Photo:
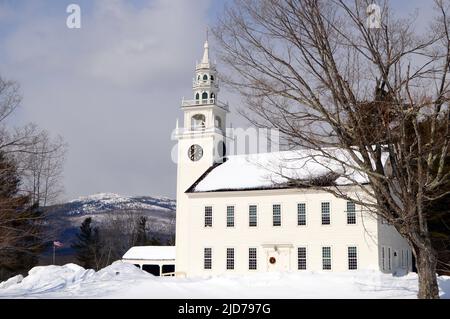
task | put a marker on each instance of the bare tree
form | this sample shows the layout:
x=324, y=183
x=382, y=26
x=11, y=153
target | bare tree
x=39, y=158
x=17, y=139
x=118, y=234
x=42, y=169
x=30, y=174
x=120, y=231
x=314, y=70
x=21, y=224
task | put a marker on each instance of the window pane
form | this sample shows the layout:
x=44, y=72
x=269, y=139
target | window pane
x=352, y=258
x=230, y=258
x=252, y=259
x=326, y=258
x=207, y=260
x=230, y=216
x=301, y=259
x=252, y=216
x=326, y=213
x=326, y=252
x=276, y=215
x=208, y=216
x=351, y=207
x=301, y=214
x=351, y=213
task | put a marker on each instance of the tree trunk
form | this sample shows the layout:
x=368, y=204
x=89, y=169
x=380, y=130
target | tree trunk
x=426, y=270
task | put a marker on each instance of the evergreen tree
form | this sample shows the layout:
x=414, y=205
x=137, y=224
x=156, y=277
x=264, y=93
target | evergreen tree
x=142, y=237
x=141, y=232
x=154, y=241
x=88, y=246
x=21, y=224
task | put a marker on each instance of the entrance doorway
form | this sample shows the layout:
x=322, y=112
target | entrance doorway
x=278, y=257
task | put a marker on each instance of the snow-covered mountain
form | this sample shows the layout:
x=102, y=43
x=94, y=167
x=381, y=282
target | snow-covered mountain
x=66, y=218
x=110, y=202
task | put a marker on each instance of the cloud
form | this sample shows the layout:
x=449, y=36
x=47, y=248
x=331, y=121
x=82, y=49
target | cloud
x=112, y=89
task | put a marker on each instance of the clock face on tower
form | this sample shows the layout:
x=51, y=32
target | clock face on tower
x=195, y=152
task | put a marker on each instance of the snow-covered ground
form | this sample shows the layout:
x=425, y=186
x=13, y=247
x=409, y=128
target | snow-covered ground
x=122, y=280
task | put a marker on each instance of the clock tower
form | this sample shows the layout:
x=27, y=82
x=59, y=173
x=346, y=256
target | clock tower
x=201, y=144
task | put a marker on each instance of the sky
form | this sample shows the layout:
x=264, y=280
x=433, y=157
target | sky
x=113, y=88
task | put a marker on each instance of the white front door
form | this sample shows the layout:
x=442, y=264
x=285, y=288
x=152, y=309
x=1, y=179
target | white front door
x=278, y=259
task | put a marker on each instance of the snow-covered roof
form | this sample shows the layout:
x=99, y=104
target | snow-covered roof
x=275, y=170
x=151, y=253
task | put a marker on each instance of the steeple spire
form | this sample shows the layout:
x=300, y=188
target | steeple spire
x=205, y=59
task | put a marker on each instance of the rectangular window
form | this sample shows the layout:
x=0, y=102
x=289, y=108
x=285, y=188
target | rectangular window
x=301, y=258
x=301, y=214
x=252, y=216
x=407, y=259
x=383, y=259
x=326, y=258
x=207, y=258
x=230, y=216
x=208, y=216
x=403, y=259
x=389, y=258
x=252, y=260
x=230, y=258
x=352, y=258
x=276, y=215
x=326, y=213
x=351, y=213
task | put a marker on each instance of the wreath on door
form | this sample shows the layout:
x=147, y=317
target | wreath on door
x=272, y=260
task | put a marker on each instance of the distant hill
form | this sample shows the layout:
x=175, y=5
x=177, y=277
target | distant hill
x=66, y=218
x=108, y=202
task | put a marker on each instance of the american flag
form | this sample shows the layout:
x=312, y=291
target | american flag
x=58, y=244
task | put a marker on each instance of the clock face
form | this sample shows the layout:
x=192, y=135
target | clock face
x=195, y=152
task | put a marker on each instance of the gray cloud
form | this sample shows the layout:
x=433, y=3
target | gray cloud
x=112, y=89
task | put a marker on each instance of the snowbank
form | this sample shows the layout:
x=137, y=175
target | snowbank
x=122, y=280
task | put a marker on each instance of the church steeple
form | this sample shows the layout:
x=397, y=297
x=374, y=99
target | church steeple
x=205, y=59
x=205, y=85
x=201, y=143
x=205, y=112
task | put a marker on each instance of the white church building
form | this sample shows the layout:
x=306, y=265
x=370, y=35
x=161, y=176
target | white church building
x=235, y=215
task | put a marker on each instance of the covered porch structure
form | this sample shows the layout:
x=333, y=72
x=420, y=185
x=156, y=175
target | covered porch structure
x=157, y=260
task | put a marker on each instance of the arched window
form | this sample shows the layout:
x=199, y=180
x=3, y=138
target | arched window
x=198, y=77
x=218, y=122
x=204, y=95
x=197, y=96
x=205, y=77
x=212, y=77
x=198, y=122
x=213, y=96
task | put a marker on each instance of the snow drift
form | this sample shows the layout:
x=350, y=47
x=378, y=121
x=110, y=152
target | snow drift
x=122, y=280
